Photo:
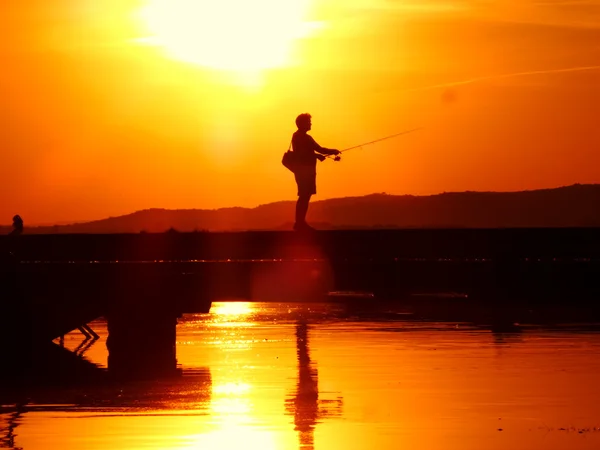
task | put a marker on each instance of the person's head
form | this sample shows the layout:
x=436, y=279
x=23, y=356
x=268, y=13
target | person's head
x=303, y=122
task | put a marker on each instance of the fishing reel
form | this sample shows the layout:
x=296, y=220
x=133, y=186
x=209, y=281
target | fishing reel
x=337, y=158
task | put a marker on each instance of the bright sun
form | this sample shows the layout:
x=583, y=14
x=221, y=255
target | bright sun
x=239, y=35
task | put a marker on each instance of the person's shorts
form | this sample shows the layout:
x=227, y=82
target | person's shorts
x=306, y=179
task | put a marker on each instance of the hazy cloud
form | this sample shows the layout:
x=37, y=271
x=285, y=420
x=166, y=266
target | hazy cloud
x=558, y=13
x=505, y=75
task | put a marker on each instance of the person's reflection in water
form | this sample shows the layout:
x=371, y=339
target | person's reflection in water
x=305, y=405
x=505, y=337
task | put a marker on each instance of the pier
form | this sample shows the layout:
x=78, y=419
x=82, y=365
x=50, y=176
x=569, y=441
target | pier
x=141, y=283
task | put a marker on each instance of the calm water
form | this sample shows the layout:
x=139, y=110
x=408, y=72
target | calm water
x=269, y=377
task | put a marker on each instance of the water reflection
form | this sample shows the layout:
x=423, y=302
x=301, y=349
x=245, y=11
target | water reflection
x=237, y=407
x=305, y=405
x=192, y=392
x=228, y=309
x=8, y=431
x=505, y=337
x=406, y=384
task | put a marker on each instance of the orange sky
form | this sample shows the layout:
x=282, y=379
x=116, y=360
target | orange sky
x=130, y=105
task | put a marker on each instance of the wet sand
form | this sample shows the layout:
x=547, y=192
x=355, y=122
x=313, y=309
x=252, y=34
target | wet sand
x=280, y=376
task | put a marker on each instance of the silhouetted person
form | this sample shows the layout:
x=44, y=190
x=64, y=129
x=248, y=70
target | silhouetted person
x=17, y=225
x=8, y=256
x=306, y=152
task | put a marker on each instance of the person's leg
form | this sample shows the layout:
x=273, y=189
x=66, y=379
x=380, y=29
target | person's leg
x=302, y=208
x=306, y=180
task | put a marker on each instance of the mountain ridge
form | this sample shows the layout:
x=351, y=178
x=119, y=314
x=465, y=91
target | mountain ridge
x=567, y=206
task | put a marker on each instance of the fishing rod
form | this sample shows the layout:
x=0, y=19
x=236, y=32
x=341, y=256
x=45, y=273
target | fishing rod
x=338, y=158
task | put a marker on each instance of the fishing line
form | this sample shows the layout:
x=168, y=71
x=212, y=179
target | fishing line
x=338, y=158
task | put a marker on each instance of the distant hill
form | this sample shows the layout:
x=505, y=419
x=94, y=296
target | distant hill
x=571, y=206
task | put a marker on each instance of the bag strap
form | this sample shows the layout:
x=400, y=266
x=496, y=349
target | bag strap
x=290, y=147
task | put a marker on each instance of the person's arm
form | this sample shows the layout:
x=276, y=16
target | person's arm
x=322, y=150
x=327, y=151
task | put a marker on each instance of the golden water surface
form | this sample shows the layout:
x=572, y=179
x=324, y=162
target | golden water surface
x=280, y=376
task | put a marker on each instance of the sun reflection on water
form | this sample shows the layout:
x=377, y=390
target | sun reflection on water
x=233, y=314
x=234, y=436
x=231, y=388
x=237, y=410
x=232, y=408
x=228, y=309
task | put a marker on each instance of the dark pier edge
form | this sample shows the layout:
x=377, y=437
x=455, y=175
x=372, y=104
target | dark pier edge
x=335, y=245
x=141, y=283
x=141, y=343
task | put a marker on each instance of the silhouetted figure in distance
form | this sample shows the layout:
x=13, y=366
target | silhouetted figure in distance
x=7, y=254
x=17, y=225
x=306, y=152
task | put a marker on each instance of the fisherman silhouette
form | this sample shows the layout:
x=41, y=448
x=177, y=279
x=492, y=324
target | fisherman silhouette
x=306, y=152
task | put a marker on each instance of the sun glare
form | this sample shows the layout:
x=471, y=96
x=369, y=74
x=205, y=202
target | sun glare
x=238, y=35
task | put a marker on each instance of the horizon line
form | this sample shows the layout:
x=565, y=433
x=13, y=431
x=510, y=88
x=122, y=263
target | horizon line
x=64, y=223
